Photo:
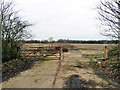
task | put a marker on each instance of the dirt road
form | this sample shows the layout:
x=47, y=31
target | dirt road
x=73, y=72
x=41, y=75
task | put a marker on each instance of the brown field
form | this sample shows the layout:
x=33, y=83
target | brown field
x=91, y=46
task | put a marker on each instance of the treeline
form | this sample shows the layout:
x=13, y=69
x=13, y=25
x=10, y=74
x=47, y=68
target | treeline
x=75, y=41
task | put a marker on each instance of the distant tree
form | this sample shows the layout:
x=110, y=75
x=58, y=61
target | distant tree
x=109, y=16
x=13, y=29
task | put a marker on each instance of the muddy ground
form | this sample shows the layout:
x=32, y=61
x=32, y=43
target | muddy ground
x=71, y=72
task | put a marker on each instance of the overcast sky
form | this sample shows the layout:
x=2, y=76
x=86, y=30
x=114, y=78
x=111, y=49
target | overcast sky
x=61, y=19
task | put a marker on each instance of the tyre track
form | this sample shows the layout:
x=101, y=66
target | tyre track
x=57, y=72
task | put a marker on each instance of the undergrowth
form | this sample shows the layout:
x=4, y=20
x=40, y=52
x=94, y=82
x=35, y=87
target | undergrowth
x=108, y=68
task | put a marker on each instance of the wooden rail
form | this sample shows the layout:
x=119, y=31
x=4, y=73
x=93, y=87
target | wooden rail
x=43, y=52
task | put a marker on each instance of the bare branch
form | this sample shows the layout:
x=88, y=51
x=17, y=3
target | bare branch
x=109, y=16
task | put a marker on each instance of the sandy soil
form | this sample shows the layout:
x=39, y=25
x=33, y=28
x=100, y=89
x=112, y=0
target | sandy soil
x=70, y=72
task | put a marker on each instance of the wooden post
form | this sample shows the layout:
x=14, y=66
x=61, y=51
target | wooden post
x=59, y=55
x=106, y=54
x=63, y=55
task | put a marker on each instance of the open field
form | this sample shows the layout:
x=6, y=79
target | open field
x=92, y=46
x=95, y=46
x=72, y=71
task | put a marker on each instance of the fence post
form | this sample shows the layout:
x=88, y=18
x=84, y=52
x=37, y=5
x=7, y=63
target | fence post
x=106, y=52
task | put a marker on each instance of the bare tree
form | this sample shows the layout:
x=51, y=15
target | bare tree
x=109, y=16
x=13, y=29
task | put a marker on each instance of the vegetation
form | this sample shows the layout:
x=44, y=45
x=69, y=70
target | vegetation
x=14, y=67
x=13, y=29
x=105, y=69
x=75, y=41
x=108, y=68
x=109, y=16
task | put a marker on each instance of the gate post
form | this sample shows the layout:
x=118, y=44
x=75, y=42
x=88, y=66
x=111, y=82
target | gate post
x=106, y=52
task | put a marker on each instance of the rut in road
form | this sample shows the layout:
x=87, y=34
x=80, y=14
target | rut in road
x=58, y=69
